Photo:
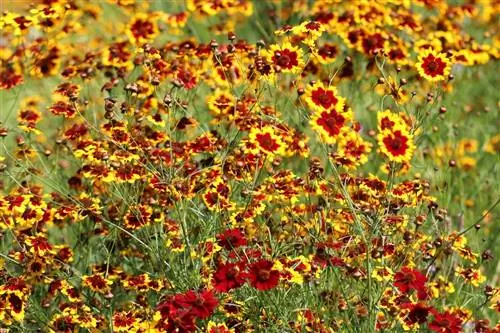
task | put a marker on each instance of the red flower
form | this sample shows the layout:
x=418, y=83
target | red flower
x=200, y=305
x=228, y=276
x=433, y=66
x=409, y=279
x=262, y=276
x=418, y=313
x=231, y=239
x=325, y=98
x=397, y=144
x=446, y=322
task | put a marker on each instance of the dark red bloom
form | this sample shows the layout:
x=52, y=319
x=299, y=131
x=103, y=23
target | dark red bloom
x=228, y=276
x=324, y=97
x=396, y=143
x=409, y=279
x=331, y=122
x=446, y=322
x=285, y=59
x=418, y=313
x=433, y=66
x=262, y=276
x=201, y=305
x=231, y=239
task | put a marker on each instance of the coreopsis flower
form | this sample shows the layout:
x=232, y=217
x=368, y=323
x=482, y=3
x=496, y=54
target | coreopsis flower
x=118, y=55
x=97, y=283
x=312, y=30
x=414, y=315
x=217, y=195
x=446, y=322
x=138, y=217
x=332, y=124
x=352, y=150
x=142, y=28
x=228, y=276
x=266, y=141
x=433, y=66
x=62, y=108
x=471, y=275
x=125, y=321
x=200, y=304
x=326, y=53
x=231, y=239
x=320, y=98
x=39, y=245
x=408, y=279
x=218, y=328
x=262, y=275
x=10, y=77
x=285, y=58
x=388, y=120
x=396, y=144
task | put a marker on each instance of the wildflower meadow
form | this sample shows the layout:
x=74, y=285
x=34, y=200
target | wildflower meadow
x=249, y=166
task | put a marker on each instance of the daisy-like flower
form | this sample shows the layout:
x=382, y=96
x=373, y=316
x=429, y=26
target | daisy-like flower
x=409, y=279
x=266, y=141
x=352, y=150
x=285, y=58
x=142, y=28
x=124, y=321
x=397, y=144
x=320, y=98
x=262, y=275
x=433, y=66
x=311, y=29
x=331, y=124
x=388, y=120
x=97, y=283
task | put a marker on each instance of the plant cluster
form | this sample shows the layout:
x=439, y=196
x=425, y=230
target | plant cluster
x=238, y=166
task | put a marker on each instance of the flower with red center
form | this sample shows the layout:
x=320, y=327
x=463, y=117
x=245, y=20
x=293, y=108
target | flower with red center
x=388, y=120
x=320, y=98
x=97, y=283
x=142, y=28
x=62, y=108
x=446, y=322
x=200, y=304
x=218, y=328
x=231, y=239
x=285, y=58
x=396, y=145
x=39, y=245
x=414, y=314
x=217, y=194
x=409, y=279
x=138, y=217
x=9, y=77
x=228, y=276
x=352, y=150
x=124, y=321
x=331, y=124
x=266, y=141
x=326, y=54
x=433, y=66
x=187, y=78
x=262, y=276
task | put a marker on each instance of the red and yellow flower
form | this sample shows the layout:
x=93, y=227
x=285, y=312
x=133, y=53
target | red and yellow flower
x=266, y=141
x=285, y=58
x=433, y=66
x=396, y=144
